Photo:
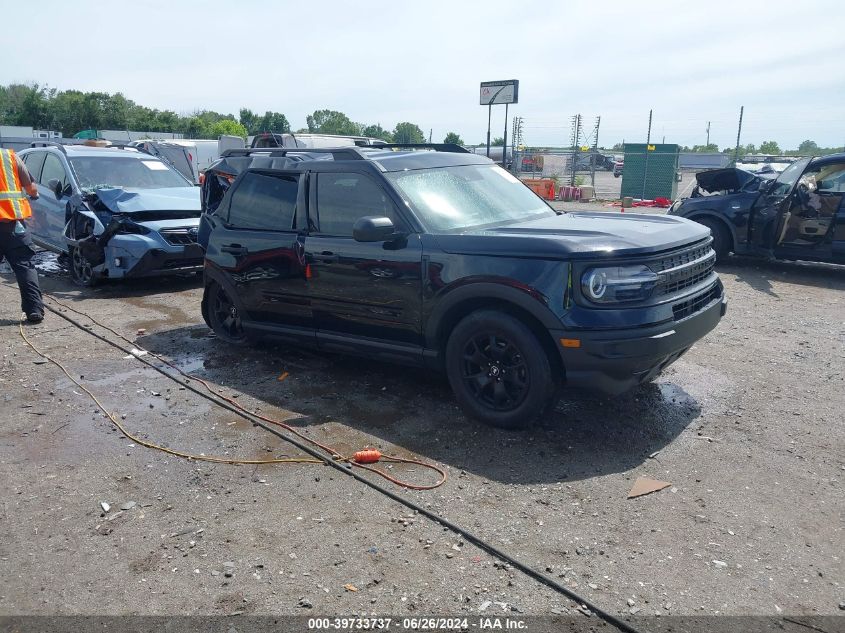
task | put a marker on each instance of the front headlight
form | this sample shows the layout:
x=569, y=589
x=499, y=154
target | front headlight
x=618, y=284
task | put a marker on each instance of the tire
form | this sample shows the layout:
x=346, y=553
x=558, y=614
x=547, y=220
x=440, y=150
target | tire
x=499, y=372
x=722, y=242
x=223, y=315
x=81, y=270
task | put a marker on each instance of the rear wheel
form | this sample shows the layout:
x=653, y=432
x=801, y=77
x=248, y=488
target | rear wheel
x=499, y=371
x=721, y=238
x=80, y=268
x=224, y=316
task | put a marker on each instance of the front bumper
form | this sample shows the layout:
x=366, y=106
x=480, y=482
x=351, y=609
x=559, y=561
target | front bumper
x=614, y=361
x=128, y=256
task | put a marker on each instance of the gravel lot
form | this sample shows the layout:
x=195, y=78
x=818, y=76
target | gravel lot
x=748, y=428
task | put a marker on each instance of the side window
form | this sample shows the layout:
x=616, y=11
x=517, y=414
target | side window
x=264, y=201
x=33, y=162
x=344, y=198
x=831, y=178
x=53, y=168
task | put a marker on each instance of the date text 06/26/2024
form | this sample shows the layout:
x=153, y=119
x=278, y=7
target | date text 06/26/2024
x=416, y=624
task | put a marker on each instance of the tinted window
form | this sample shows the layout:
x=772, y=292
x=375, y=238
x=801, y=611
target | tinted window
x=264, y=201
x=53, y=168
x=33, y=162
x=344, y=198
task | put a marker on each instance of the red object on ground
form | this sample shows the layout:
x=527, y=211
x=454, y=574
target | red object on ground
x=543, y=187
x=663, y=203
x=568, y=192
x=367, y=456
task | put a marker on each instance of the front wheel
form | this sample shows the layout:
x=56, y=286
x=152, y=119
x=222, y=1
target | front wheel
x=721, y=238
x=80, y=268
x=499, y=371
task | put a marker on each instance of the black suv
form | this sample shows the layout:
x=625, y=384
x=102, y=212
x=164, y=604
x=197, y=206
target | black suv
x=440, y=258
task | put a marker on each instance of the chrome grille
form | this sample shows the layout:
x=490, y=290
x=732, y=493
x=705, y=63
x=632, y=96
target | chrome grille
x=180, y=237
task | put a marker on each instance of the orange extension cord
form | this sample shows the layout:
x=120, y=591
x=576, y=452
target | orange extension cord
x=360, y=459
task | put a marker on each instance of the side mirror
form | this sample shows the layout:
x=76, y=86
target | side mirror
x=373, y=229
x=765, y=186
x=56, y=187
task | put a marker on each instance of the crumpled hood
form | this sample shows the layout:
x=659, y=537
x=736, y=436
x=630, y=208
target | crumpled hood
x=579, y=235
x=134, y=200
x=728, y=179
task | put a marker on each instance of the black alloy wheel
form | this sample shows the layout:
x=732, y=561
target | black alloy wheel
x=224, y=315
x=499, y=371
x=495, y=372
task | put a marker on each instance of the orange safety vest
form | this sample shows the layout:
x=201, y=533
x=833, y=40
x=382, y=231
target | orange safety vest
x=14, y=204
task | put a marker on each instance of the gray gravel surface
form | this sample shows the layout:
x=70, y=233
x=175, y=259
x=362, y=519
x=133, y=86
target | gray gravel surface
x=748, y=428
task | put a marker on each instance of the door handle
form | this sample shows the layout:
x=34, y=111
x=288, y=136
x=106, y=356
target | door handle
x=234, y=249
x=326, y=257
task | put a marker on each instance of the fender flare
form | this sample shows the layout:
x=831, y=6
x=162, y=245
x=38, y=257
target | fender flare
x=213, y=274
x=485, y=291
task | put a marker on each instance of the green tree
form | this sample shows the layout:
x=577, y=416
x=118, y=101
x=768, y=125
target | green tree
x=275, y=122
x=331, y=122
x=702, y=148
x=769, y=147
x=248, y=120
x=227, y=126
x=809, y=147
x=376, y=131
x=452, y=137
x=497, y=141
x=270, y=122
x=406, y=132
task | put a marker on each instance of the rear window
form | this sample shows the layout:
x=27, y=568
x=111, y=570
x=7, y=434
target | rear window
x=98, y=172
x=264, y=201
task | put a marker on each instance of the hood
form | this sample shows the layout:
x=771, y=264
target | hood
x=728, y=179
x=579, y=235
x=136, y=200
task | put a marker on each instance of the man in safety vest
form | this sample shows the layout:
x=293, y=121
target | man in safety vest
x=15, y=241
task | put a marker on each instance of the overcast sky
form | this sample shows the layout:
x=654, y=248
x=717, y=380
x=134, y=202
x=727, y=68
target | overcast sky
x=384, y=62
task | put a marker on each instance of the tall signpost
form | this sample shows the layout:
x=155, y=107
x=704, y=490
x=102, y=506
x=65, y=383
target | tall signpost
x=495, y=93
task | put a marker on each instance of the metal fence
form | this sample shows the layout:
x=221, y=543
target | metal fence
x=566, y=166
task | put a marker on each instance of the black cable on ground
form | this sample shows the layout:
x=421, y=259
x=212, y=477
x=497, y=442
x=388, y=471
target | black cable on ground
x=469, y=536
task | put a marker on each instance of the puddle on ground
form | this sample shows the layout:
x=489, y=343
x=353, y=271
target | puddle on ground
x=190, y=365
x=46, y=262
x=673, y=394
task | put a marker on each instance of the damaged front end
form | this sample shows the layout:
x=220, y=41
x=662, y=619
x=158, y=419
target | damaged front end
x=727, y=181
x=116, y=233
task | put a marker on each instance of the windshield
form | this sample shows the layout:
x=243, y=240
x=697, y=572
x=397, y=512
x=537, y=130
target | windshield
x=100, y=172
x=784, y=183
x=469, y=196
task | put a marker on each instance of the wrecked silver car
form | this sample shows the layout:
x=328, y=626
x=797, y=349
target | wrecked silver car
x=114, y=212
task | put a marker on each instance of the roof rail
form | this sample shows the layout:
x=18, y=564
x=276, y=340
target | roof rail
x=338, y=153
x=437, y=147
x=48, y=144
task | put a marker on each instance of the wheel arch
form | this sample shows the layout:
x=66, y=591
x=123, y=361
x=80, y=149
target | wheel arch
x=721, y=220
x=460, y=303
x=212, y=275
